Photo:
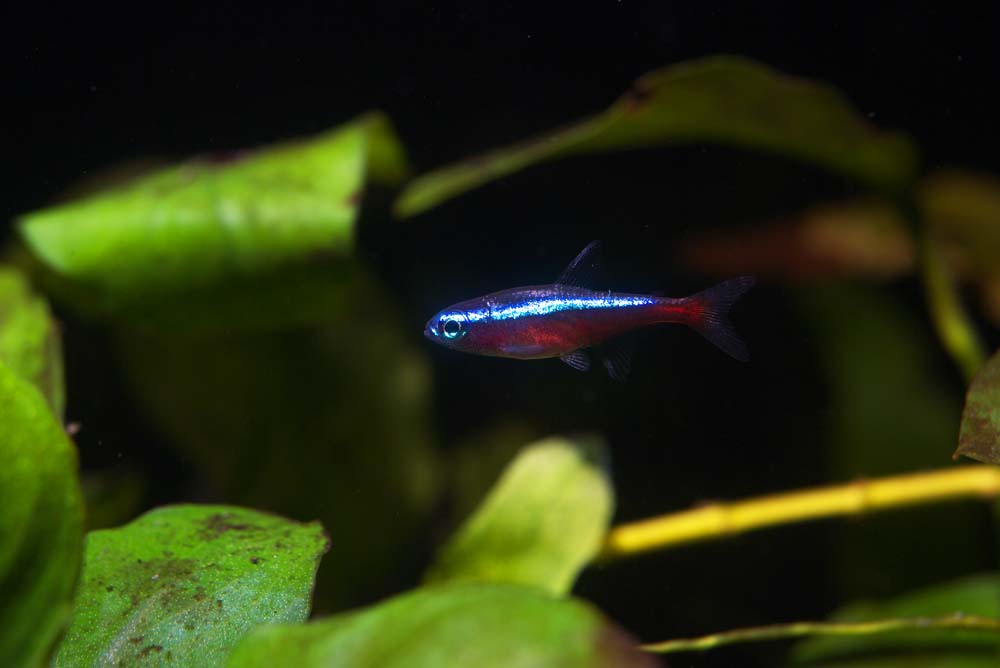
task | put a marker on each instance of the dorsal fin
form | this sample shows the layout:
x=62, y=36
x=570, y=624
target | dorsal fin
x=583, y=271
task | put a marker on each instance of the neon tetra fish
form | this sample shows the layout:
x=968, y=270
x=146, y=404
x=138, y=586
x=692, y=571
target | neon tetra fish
x=566, y=318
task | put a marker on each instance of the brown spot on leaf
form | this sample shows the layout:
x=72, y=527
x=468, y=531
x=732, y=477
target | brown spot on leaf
x=146, y=651
x=354, y=198
x=136, y=640
x=218, y=524
x=637, y=97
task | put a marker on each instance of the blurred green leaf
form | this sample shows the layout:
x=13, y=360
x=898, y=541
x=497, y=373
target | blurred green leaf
x=112, y=496
x=41, y=524
x=952, y=626
x=475, y=463
x=979, y=436
x=543, y=521
x=215, y=223
x=183, y=584
x=913, y=661
x=889, y=409
x=957, y=624
x=964, y=207
x=974, y=596
x=330, y=421
x=506, y=626
x=723, y=99
x=954, y=326
x=29, y=338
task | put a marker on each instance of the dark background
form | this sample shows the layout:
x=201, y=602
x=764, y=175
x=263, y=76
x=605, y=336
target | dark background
x=88, y=87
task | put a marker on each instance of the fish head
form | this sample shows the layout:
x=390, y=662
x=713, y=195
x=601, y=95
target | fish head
x=456, y=327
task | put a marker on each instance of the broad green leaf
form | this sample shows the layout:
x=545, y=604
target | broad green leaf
x=722, y=99
x=29, y=338
x=505, y=626
x=979, y=437
x=215, y=223
x=328, y=421
x=41, y=524
x=976, y=597
x=181, y=585
x=541, y=523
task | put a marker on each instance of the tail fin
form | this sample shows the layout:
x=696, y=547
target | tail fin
x=712, y=320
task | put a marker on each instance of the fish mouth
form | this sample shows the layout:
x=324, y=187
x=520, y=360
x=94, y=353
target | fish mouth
x=430, y=331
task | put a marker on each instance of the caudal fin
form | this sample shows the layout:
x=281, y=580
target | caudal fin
x=711, y=315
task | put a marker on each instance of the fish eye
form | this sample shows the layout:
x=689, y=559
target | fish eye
x=451, y=328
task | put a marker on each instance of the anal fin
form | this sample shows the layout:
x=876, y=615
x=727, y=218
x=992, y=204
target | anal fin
x=618, y=359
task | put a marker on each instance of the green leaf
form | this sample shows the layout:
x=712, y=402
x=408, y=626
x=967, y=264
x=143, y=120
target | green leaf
x=979, y=436
x=506, y=626
x=540, y=525
x=889, y=410
x=953, y=324
x=964, y=207
x=477, y=460
x=968, y=598
x=954, y=625
x=41, y=524
x=722, y=99
x=328, y=421
x=914, y=661
x=215, y=223
x=182, y=585
x=29, y=338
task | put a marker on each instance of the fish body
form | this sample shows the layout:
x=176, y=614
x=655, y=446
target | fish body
x=564, y=319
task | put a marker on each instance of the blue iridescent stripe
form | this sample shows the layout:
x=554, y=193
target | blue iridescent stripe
x=549, y=305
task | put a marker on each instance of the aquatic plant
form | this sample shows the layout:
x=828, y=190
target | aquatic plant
x=233, y=289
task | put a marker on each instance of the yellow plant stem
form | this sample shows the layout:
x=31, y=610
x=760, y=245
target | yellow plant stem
x=799, y=629
x=716, y=520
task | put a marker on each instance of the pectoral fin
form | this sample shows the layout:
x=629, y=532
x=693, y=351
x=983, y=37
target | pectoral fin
x=578, y=359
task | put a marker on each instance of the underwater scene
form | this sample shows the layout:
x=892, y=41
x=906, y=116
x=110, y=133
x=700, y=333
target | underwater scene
x=612, y=335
